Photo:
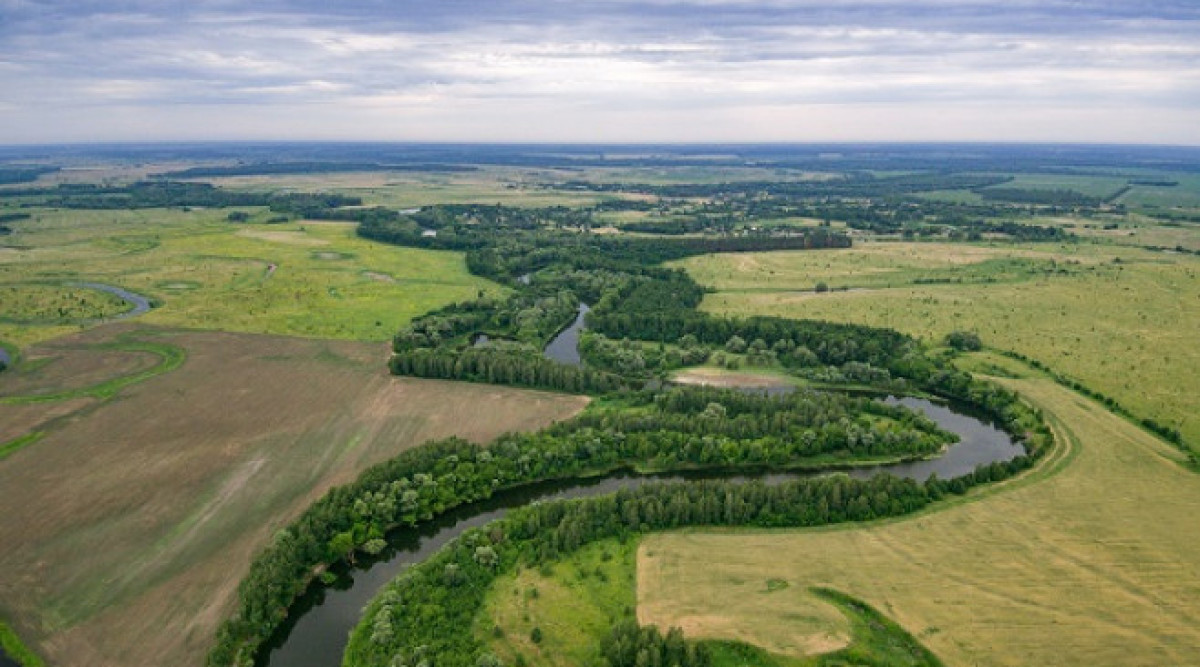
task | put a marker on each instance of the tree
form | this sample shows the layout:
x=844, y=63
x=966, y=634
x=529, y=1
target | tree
x=966, y=341
x=736, y=344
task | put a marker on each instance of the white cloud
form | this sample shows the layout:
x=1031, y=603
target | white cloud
x=722, y=69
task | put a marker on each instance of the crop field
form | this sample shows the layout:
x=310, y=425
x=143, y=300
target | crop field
x=1090, y=560
x=1186, y=192
x=1121, y=320
x=313, y=279
x=492, y=185
x=129, y=523
x=1091, y=185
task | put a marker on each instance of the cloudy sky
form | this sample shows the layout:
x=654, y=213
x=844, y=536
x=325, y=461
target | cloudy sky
x=601, y=70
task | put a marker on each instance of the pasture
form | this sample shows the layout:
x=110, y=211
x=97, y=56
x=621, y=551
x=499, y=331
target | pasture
x=1121, y=320
x=150, y=507
x=1088, y=560
x=314, y=279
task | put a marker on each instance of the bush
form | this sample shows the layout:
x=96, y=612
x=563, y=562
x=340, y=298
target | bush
x=965, y=341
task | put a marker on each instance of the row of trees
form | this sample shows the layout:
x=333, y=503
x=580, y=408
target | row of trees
x=755, y=431
x=421, y=615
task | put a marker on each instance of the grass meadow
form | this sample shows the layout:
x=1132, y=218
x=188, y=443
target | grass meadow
x=1121, y=320
x=1089, y=560
x=313, y=279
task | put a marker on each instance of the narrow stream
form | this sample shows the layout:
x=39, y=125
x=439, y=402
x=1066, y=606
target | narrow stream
x=140, y=303
x=321, y=621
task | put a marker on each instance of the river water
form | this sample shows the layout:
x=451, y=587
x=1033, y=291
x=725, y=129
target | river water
x=140, y=303
x=565, y=347
x=320, y=623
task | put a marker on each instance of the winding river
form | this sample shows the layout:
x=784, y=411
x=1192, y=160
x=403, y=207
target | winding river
x=321, y=621
x=140, y=303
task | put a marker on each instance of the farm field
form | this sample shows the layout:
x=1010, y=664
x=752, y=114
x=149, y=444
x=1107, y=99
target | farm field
x=1089, y=560
x=314, y=279
x=1121, y=320
x=493, y=185
x=151, y=505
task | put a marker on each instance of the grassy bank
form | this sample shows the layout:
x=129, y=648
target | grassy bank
x=1122, y=321
x=1090, y=565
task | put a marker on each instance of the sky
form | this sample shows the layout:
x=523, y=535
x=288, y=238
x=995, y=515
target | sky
x=600, y=70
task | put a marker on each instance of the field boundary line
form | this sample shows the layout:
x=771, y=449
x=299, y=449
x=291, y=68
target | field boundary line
x=171, y=357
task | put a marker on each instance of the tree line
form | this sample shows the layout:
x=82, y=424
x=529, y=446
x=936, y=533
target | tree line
x=421, y=615
x=424, y=482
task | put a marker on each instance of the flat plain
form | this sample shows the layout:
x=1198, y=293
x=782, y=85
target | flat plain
x=1090, y=560
x=151, y=504
x=313, y=279
x=1121, y=320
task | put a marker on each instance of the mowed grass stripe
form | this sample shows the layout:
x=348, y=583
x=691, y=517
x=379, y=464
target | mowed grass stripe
x=1094, y=565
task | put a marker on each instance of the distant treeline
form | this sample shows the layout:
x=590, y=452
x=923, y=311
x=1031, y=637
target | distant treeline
x=1055, y=197
x=11, y=217
x=23, y=174
x=274, y=168
x=166, y=194
x=854, y=184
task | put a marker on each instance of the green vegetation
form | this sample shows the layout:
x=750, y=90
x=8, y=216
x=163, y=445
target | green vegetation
x=16, y=444
x=1078, y=563
x=42, y=304
x=311, y=278
x=1118, y=320
x=654, y=431
x=274, y=250
x=170, y=357
x=575, y=601
x=16, y=650
x=582, y=600
x=248, y=431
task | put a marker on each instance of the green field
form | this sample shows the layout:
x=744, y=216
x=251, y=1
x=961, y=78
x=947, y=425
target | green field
x=37, y=304
x=314, y=279
x=559, y=615
x=1121, y=320
x=1093, y=186
x=573, y=603
x=1090, y=560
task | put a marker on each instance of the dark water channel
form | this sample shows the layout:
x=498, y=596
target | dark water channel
x=140, y=303
x=565, y=347
x=320, y=623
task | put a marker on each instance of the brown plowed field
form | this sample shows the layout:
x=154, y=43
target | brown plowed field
x=129, y=525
